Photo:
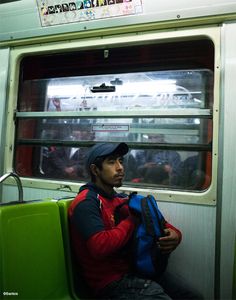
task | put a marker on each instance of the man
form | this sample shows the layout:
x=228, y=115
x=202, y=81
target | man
x=99, y=244
x=69, y=162
x=169, y=159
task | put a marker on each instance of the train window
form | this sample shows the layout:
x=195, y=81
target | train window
x=157, y=98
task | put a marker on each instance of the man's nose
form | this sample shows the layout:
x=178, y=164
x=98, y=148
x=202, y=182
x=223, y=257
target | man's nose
x=119, y=165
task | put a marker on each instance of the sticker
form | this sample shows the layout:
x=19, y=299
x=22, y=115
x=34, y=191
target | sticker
x=110, y=127
x=56, y=12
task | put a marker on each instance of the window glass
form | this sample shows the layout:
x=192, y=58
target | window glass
x=133, y=130
x=156, y=98
x=131, y=91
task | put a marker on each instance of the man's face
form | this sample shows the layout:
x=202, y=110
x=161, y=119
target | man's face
x=112, y=172
x=79, y=134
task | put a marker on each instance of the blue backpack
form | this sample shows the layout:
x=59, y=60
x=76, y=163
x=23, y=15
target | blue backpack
x=145, y=254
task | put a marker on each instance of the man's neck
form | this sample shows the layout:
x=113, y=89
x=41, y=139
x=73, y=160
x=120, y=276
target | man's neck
x=109, y=190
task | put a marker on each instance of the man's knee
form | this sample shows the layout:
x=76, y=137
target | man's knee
x=153, y=291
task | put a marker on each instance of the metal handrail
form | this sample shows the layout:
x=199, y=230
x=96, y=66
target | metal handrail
x=18, y=182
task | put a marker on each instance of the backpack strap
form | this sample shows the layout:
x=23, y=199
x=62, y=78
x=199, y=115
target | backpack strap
x=148, y=218
x=161, y=221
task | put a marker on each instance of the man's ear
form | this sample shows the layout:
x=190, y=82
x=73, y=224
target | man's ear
x=94, y=169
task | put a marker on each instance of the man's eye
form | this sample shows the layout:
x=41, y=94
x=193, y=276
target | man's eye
x=115, y=160
x=111, y=161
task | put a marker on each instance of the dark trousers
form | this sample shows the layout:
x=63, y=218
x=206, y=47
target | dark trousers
x=177, y=289
x=133, y=287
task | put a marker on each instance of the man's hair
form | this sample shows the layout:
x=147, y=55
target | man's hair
x=98, y=163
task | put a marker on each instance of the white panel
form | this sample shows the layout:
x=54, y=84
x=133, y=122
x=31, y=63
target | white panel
x=194, y=259
x=10, y=193
x=228, y=228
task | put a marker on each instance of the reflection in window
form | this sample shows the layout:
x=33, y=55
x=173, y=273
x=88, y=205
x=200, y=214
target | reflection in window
x=131, y=91
x=178, y=169
x=130, y=130
x=144, y=168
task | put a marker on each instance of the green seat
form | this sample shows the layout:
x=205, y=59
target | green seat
x=234, y=276
x=78, y=290
x=32, y=262
x=63, y=205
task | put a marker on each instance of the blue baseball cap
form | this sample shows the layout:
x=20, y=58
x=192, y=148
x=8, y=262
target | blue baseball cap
x=105, y=149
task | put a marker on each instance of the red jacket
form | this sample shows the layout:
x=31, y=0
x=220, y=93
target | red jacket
x=97, y=242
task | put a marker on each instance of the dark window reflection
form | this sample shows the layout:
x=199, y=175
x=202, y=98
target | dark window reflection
x=157, y=168
x=167, y=168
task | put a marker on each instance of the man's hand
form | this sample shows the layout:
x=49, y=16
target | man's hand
x=57, y=104
x=169, y=242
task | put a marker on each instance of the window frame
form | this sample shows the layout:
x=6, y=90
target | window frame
x=213, y=33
